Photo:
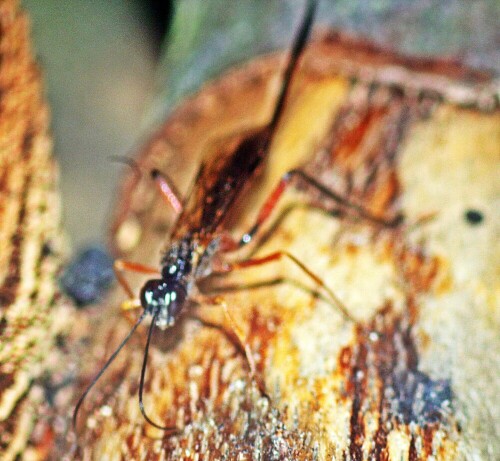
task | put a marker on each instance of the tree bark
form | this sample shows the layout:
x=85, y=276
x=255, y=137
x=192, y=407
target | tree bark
x=414, y=376
x=31, y=249
x=392, y=134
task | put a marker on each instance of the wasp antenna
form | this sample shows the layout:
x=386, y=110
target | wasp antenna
x=103, y=369
x=127, y=161
x=141, y=383
x=298, y=46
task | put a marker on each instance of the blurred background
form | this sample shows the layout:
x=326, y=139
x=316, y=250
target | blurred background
x=115, y=68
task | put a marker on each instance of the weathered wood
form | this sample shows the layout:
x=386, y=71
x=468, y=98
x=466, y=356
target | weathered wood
x=31, y=245
x=415, y=377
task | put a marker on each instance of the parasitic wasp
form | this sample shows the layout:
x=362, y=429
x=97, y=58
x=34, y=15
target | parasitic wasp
x=199, y=240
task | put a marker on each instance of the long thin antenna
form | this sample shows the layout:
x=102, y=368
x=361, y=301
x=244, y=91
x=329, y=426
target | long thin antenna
x=103, y=369
x=141, y=383
x=298, y=46
x=127, y=161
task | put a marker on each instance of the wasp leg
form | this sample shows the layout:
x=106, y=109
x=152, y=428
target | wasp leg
x=277, y=255
x=293, y=178
x=237, y=337
x=120, y=266
x=167, y=190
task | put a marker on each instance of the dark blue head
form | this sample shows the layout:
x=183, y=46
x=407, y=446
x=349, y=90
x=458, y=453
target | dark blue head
x=163, y=298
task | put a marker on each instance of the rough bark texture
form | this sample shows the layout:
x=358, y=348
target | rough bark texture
x=31, y=316
x=414, y=377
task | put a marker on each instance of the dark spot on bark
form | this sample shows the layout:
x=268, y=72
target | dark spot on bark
x=47, y=250
x=474, y=217
x=88, y=276
x=6, y=380
x=419, y=398
x=398, y=391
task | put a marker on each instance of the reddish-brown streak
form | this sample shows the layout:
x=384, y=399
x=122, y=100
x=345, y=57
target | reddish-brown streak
x=8, y=290
x=259, y=331
x=342, y=45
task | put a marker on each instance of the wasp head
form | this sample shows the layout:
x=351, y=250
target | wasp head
x=163, y=299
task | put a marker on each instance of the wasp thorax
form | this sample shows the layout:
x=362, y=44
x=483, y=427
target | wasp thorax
x=163, y=299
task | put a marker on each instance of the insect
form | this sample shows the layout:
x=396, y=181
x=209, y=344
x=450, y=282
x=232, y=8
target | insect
x=199, y=240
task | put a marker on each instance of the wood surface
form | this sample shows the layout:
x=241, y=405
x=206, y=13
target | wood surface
x=414, y=377
x=32, y=314
x=406, y=380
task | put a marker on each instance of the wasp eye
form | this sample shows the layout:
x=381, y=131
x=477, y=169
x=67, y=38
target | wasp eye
x=150, y=295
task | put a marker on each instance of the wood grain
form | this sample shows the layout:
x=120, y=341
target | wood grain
x=403, y=382
x=415, y=377
x=31, y=246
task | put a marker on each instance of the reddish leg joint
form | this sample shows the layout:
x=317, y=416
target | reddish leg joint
x=286, y=180
x=121, y=266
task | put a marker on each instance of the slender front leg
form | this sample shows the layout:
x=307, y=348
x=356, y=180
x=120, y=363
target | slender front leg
x=238, y=334
x=277, y=255
x=120, y=266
